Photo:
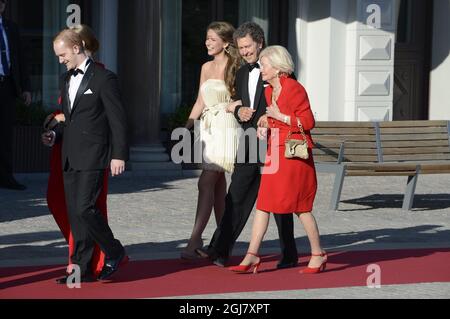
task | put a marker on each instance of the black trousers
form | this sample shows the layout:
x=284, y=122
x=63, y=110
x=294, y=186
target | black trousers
x=82, y=189
x=7, y=121
x=239, y=203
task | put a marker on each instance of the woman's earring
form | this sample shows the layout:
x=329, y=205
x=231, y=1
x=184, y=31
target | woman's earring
x=227, y=50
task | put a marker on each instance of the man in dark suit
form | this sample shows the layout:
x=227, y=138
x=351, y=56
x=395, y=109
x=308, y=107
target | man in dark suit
x=14, y=82
x=94, y=137
x=245, y=180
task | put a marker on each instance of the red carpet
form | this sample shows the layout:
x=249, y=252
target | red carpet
x=169, y=278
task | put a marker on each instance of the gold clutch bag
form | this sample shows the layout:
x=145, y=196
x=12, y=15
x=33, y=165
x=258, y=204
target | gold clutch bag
x=297, y=148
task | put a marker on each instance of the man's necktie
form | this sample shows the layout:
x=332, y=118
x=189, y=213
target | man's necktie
x=3, y=56
x=252, y=66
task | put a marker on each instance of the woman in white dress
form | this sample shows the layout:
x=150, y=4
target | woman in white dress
x=218, y=128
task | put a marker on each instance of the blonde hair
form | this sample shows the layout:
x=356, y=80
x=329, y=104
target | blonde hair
x=70, y=38
x=279, y=58
x=87, y=35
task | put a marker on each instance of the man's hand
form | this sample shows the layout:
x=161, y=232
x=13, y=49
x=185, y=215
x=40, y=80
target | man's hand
x=263, y=121
x=245, y=114
x=48, y=138
x=60, y=118
x=117, y=167
x=26, y=98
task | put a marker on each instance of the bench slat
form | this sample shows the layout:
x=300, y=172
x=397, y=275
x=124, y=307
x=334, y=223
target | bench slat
x=369, y=173
x=413, y=124
x=386, y=167
x=438, y=166
x=348, y=151
x=398, y=144
x=414, y=130
x=418, y=157
x=344, y=131
x=343, y=124
x=350, y=138
x=347, y=158
x=415, y=150
x=413, y=137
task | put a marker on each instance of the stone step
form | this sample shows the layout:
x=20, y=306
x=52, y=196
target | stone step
x=149, y=157
x=156, y=166
x=157, y=148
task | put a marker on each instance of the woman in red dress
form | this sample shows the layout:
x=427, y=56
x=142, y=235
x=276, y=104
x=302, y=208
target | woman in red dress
x=288, y=186
x=55, y=192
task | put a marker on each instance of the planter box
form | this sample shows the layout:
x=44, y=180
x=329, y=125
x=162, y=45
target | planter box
x=29, y=154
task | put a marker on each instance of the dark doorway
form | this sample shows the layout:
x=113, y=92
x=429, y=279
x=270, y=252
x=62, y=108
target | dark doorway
x=197, y=15
x=412, y=61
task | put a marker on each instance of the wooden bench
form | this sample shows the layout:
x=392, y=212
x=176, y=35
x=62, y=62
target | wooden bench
x=382, y=149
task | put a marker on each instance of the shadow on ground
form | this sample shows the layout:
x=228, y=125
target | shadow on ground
x=421, y=202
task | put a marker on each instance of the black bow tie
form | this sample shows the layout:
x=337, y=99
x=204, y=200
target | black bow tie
x=76, y=72
x=252, y=66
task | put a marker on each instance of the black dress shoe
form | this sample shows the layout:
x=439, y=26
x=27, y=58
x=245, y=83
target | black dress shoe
x=220, y=261
x=13, y=185
x=212, y=255
x=206, y=253
x=63, y=280
x=285, y=265
x=111, y=266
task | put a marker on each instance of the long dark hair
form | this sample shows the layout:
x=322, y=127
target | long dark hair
x=225, y=31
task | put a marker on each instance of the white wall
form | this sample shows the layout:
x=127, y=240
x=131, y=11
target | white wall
x=346, y=66
x=440, y=74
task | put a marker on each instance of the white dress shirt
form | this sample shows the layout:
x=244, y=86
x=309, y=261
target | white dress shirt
x=75, y=82
x=7, y=48
x=253, y=79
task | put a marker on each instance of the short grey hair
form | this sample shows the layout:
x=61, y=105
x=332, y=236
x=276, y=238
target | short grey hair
x=279, y=58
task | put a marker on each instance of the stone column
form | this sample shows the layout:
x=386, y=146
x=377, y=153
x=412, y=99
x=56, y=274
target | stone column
x=139, y=69
x=107, y=33
x=139, y=60
x=171, y=56
x=55, y=17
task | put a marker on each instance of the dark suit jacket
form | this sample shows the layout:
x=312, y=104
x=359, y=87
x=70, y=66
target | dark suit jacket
x=260, y=105
x=95, y=130
x=19, y=63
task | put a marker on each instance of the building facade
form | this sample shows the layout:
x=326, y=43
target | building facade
x=360, y=60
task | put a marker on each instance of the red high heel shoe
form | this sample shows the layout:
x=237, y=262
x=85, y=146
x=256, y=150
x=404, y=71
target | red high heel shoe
x=246, y=268
x=321, y=268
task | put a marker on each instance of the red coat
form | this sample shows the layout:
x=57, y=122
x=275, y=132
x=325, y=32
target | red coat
x=288, y=185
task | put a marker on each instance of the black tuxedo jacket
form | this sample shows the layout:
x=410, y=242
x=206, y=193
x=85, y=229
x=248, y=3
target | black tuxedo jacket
x=95, y=130
x=242, y=77
x=19, y=65
x=260, y=105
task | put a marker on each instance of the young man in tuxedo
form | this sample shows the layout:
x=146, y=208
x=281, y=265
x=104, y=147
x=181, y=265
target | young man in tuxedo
x=14, y=82
x=245, y=180
x=94, y=137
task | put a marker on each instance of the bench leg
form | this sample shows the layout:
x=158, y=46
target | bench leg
x=409, y=193
x=337, y=188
